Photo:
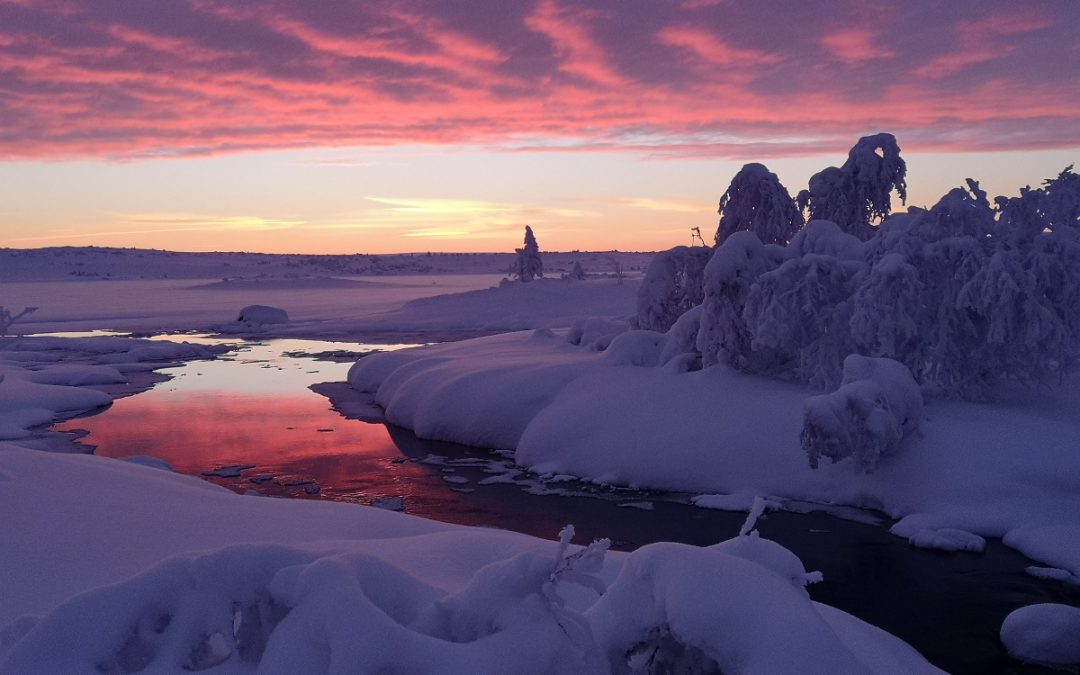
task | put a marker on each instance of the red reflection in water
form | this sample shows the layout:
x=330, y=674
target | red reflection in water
x=291, y=438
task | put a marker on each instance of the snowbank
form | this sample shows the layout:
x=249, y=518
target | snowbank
x=36, y=388
x=1047, y=634
x=263, y=314
x=1007, y=468
x=175, y=573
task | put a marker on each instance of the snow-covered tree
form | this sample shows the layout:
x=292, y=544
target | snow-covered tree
x=798, y=317
x=577, y=273
x=723, y=336
x=758, y=202
x=859, y=192
x=877, y=405
x=529, y=265
x=672, y=284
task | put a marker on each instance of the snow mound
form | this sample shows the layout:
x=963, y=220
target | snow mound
x=948, y=539
x=280, y=609
x=1047, y=634
x=263, y=314
x=877, y=405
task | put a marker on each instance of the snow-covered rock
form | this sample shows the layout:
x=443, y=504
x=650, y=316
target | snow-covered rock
x=1047, y=634
x=263, y=314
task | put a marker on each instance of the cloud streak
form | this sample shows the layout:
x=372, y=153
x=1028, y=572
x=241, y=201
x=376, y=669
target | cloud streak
x=128, y=80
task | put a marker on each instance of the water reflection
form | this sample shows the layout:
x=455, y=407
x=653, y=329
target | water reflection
x=253, y=408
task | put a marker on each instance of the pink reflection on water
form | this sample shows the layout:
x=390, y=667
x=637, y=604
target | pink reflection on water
x=292, y=438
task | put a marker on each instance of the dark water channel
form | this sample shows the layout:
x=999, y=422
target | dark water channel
x=249, y=420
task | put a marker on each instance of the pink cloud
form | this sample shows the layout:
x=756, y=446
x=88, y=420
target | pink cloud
x=855, y=45
x=716, y=80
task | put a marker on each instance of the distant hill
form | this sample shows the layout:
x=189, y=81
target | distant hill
x=85, y=263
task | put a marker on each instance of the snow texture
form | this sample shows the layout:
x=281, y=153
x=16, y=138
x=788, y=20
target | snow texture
x=1047, y=634
x=948, y=539
x=227, y=583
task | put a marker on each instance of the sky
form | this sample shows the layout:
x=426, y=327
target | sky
x=347, y=126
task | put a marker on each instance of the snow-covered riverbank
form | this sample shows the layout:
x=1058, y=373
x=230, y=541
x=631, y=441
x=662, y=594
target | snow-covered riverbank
x=1005, y=469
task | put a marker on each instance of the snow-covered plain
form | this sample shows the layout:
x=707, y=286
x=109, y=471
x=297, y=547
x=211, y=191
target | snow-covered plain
x=154, y=291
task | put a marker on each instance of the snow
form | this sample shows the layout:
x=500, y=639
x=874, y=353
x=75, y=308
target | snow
x=948, y=539
x=877, y=405
x=210, y=579
x=153, y=291
x=1006, y=468
x=45, y=378
x=263, y=314
x=1046, y=634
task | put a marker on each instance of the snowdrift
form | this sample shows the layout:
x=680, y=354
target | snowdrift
x=324, y=587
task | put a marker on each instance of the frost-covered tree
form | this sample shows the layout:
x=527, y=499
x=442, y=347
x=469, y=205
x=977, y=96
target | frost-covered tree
x=672, y=285
x=859, y=192
x=577, y=273
x=529, y=266
x=798, y=316
x=962, y=294
x=757, y=201
x=723, y=336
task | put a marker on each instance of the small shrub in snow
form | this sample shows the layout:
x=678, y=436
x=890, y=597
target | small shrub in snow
x=576, y=273
x=672, y=284
x=757, y=201
x=876, y=406
x=858, y=192
x=7, y=318
x=528, y=265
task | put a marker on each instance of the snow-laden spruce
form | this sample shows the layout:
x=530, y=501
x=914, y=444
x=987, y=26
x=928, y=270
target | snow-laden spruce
x=528, y=265
x=859, y=192
x=757, y=201
x=673, y=284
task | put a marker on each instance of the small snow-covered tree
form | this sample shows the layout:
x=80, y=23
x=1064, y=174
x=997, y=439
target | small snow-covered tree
x=577, y=273
x=672, y=284
x=859, y=192
x=877, y=405
x=529, y=266
x=757, y=201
